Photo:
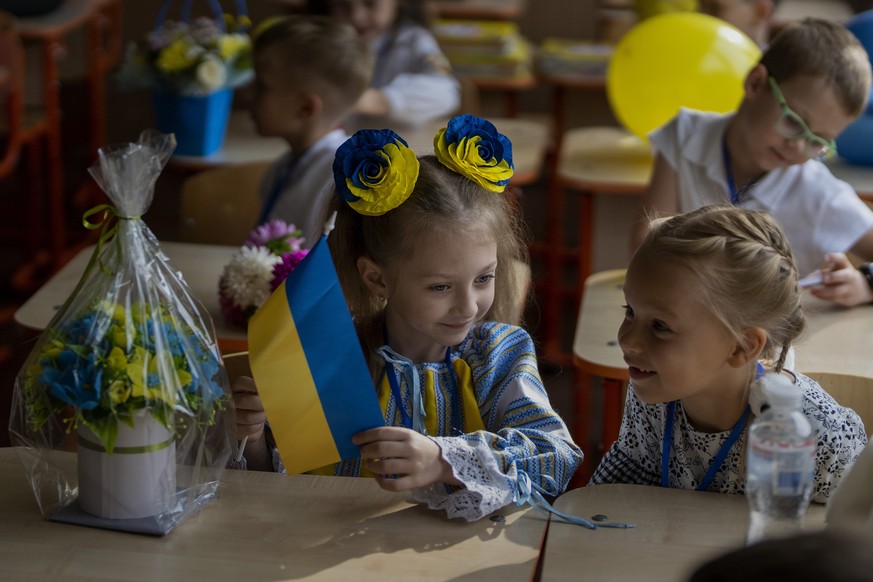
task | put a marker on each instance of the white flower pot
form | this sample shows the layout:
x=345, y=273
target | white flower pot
x=137, y=480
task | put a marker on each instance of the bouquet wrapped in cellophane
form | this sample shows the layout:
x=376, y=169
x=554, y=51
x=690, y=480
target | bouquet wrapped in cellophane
x=122, y=413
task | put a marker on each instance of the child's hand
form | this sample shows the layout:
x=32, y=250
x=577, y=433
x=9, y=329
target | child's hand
x=842, y=283
x=403, y=459
x=250, y=415
x=250, y=422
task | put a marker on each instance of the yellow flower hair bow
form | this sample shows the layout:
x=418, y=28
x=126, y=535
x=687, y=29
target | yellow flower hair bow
x=472, y=147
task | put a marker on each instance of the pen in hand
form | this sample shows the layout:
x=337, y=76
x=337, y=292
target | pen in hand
x=242, y=448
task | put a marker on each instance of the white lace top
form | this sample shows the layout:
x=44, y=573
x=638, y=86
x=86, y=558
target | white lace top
x=636, y=456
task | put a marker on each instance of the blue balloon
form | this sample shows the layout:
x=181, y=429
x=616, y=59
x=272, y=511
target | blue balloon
x=855, y=143
x=861, y=25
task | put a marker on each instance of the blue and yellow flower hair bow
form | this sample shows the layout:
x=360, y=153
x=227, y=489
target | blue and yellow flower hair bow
x=472, y=147
x=375, y=171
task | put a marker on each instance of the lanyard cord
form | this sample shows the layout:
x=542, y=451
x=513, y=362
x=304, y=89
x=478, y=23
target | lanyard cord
x=408, y=369
x=282, y=180
x=729, y=172
x=718, y=461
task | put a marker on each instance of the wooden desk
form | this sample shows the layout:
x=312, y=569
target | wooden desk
x=265, y=526
x=675, y=531
x=479, y=9
x=470, y=9
x=836, y=340
x=560, y=84
x=200, y=264
x=510, y=87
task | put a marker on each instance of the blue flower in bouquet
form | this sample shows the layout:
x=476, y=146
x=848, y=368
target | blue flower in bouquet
x=375, y=171
x=193, y=58
x=472, y=147
x=270, y=253
x=112, y=361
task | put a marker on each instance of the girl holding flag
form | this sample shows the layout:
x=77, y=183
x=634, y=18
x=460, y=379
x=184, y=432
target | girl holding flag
x=424, y=249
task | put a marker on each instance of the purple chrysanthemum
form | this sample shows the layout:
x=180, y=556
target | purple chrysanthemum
x=277, y=236
x=288, y=264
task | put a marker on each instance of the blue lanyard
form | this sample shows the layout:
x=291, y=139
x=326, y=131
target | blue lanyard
x=457, y=411
x=718, y=461
x=278, y=185
x=732, y=187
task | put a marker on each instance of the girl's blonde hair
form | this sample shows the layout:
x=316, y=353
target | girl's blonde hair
x=745, y=268
x=442, y=200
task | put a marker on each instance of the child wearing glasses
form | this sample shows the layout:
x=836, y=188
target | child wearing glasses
x=811, y=82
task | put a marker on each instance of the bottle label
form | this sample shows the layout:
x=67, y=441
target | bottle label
x=791, y=467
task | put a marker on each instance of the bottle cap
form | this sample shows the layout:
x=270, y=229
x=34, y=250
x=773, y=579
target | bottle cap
x=779, y=392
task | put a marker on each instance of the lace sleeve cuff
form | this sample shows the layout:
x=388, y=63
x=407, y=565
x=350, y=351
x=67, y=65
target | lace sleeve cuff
x=485, y=489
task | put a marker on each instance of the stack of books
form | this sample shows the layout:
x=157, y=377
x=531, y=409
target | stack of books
x=573, y=58
x=484, y=48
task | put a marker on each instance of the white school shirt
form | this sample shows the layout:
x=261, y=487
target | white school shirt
x=306, y=191
x=415, y=77
x=818, y=213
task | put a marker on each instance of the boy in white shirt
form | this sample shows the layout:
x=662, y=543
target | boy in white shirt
x=812, y=81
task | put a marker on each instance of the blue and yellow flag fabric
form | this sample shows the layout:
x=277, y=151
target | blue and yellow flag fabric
x=309, y=367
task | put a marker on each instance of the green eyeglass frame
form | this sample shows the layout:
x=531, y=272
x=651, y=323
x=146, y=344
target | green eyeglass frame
x=816, y=146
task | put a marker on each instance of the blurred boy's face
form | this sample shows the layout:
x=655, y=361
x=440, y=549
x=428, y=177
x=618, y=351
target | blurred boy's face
x=740, y=13
x=369, y=17
x=810, y=97
x=747, y=15
x=274, y=100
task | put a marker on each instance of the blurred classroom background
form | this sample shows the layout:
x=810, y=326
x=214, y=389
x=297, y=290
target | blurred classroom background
x=540, y=62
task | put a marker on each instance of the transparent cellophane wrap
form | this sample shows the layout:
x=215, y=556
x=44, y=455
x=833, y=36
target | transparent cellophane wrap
x=121, y=413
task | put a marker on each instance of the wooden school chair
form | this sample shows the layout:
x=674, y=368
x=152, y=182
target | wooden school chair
x=591, y=160
x=596, y=354
x=49, y=36
x=221, y=205
x=855, y=392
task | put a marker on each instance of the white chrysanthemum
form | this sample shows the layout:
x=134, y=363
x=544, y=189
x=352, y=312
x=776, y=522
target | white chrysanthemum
x=248, y=275
x=211, y=73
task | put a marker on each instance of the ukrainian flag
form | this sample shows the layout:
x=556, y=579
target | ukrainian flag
x=309, y=367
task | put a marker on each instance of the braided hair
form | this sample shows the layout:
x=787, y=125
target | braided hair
x=745, y=267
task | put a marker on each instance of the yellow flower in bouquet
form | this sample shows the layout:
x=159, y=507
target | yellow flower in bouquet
x=110, y=362
x=193, y=58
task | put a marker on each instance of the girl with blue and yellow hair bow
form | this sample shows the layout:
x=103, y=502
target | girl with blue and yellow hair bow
x=428, y=252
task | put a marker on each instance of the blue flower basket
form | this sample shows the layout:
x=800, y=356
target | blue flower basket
x=198, y=121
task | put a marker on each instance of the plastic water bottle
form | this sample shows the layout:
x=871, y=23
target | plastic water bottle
x=780, y=463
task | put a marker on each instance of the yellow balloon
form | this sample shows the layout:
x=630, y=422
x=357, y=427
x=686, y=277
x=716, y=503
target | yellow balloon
x=677, y=60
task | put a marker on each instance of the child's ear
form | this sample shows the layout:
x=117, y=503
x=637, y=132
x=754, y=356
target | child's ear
x=749, y=349
x=311, y=106
x=756, y=81
x=373, y=277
